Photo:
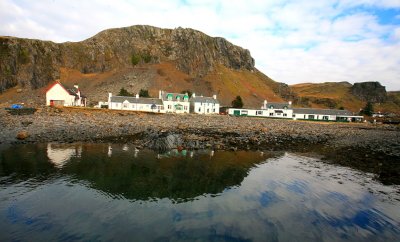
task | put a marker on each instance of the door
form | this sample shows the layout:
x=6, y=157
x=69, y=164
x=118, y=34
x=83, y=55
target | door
x=236, y=112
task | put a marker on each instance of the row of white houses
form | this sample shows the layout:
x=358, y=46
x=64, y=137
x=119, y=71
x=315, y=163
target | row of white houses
x=166, y=102
x=285, y=111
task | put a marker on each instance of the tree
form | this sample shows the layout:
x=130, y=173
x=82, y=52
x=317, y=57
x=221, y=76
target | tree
x=124, y=92
x=237, y=102
x=135, y=59
x=188, y=92
x=368, y=109
x=144, y=93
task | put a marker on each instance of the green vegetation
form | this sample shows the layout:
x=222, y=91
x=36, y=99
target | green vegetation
x=237, y=102
x=124, y=92
x=146, y=57
x=188, y=92
x=135, y=59
x=23, y=56
x=144, y=93
x=368, y=109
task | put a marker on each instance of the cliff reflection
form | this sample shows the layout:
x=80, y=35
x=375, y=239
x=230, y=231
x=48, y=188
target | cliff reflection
x=178, y=175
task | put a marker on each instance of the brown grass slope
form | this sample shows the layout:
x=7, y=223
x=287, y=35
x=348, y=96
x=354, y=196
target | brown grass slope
x=338, y=94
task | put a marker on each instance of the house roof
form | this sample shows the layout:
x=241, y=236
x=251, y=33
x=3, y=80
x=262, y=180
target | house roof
x=203, y=100
x=278, y=105
x=141, y=100
x=174, y=95
x=322, y=111
x=71, y=91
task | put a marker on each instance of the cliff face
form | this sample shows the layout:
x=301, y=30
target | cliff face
x=34, y=63
x=369, y=92
x=26, y=62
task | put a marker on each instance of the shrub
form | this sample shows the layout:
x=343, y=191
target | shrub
x=237, y=102
x=135, y=59
x=144, y=93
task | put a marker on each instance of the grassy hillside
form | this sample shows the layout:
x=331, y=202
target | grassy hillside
x=338, y=94
x=252, y=86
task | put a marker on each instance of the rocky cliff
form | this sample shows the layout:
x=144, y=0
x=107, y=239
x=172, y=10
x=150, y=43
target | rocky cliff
x=369, y=92
x=34, y=63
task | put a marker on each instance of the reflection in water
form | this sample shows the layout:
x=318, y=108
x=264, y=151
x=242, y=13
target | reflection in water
x=60, y=154
x=197, y=195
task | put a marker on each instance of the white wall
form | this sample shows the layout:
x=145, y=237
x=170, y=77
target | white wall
x=57, y=92
x=205, y=108
x=135, y=107
x=263, y=113
x=316, y=117
x=169, y=106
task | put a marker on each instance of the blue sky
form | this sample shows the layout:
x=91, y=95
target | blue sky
x=292, y=41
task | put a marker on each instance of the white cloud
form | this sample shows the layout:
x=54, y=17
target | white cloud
x=291, y=41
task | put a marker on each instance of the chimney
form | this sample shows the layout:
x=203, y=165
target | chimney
x=264, y=105
x=215, y=96
x=137, y=95
x=109, y=99
x=160, y=94
x=194, y=95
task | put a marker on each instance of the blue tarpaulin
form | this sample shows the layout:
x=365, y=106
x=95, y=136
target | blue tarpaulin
x=16, y=106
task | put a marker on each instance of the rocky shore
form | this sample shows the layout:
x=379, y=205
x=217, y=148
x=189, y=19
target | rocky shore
x=369, y=147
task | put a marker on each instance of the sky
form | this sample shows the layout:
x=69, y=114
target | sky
x=292, y=41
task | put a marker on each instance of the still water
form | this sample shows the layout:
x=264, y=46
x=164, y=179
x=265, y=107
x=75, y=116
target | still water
x=93, y=192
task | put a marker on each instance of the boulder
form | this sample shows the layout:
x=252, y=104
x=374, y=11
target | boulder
x=22, y=135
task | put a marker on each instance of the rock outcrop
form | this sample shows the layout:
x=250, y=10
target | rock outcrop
x=34, y=63
x=369, y=91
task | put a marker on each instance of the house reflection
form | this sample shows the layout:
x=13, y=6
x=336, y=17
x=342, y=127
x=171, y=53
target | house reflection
x=177, y=174
x=60, y=154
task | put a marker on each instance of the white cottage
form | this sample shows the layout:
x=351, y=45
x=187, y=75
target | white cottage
x=267, y=110
x=136, y=103
x=59, y=95
x=325, y=115
x=204, y=105
x=175, y=102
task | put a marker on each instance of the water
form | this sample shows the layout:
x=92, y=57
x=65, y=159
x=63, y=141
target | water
x=114, y=192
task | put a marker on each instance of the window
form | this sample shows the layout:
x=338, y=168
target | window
x=169, y=106
x=199, y=109
x=133, y=106
x=311, y=117
x=169, y=97
x=214, y=110
x=125, y=105
x=271, y=114
x=325, y=117
x=258, y=112
x=285, y=115
x=294, y=115
x=271, y=106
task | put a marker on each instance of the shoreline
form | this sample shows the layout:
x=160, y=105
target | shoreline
x=368, y=147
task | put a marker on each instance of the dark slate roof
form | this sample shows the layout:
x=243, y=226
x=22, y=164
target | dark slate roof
x=142, y=100
x=174, y=95
x=278, y=105
x=74, y=92
x=203, y=100
x=322, y=111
